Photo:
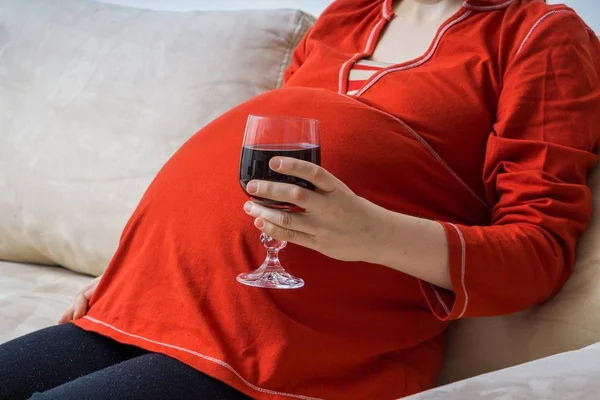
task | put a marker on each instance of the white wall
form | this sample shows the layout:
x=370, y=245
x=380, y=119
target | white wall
x=314, y=7
x=588, y=9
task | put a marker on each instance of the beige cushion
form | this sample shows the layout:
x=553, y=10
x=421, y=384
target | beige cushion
x=94, y=98
x=34, y=297
x=569, y=321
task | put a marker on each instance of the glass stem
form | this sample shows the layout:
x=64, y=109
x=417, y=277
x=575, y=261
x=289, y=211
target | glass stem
x=273, y=247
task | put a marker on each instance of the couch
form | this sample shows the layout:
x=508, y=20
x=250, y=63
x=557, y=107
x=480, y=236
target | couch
x=94, y=98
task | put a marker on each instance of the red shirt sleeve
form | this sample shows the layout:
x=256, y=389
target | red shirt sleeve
x=298, y=57
x=538, y=156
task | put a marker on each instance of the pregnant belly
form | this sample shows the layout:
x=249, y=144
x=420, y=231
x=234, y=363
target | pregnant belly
x=374, y=154
x=175, y=269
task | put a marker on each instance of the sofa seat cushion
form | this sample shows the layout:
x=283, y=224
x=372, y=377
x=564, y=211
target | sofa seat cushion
x=33, y=297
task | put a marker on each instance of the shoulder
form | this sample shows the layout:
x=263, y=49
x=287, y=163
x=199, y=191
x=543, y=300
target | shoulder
x=348, y=18
x=533, y=23
x=352, y=12
x=354, y=7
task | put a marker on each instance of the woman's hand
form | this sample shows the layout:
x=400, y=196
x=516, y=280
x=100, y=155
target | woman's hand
x=336, y=222
x=344, y=226
x=80, y=304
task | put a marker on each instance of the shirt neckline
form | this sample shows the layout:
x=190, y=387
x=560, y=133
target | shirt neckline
x=376, y=31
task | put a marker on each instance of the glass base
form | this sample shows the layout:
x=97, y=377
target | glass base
x=270, y=279
x=271, y=275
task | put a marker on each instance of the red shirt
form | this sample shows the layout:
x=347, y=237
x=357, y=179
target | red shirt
x=496, y=96
x=492, y=133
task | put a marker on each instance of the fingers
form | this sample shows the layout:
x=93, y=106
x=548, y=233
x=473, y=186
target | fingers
x=284, y=192
x=288, y=235
x=89, y=292
x=90, y=288
x=283, y=219
x=67, y=316
x=90, y=284
x=308, y=171
x=80, y=306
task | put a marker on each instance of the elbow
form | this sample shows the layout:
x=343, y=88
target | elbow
x=557, y=258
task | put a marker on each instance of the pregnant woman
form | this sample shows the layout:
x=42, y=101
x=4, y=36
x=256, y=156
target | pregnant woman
x=456, y=142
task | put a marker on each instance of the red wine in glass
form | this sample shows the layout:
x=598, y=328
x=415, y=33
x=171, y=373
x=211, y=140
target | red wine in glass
x=265, y=138
x=254, y=164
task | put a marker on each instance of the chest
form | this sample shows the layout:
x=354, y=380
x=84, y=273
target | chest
x=401, y=41
x=447, y=94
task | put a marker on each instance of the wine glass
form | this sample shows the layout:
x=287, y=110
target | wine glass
x=267, y=137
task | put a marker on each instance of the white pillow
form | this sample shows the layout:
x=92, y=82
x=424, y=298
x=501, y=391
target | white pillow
x=94, y=98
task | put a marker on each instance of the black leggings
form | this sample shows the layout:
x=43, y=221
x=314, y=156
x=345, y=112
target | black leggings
x=66, y=362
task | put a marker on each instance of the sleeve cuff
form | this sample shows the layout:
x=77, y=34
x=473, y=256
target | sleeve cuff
x=450, y=305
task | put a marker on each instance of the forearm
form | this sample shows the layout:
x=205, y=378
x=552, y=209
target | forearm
x=415, y=246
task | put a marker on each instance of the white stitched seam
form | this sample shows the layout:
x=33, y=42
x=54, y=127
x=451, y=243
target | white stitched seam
x=372, y=36
x=341, y=74
x=430, y=149
x=442, y=302
x=384, y=10
x=356, y=55
x=487, y=8
x=418, y=63
x=463, y=260
x=212, y=359
x=537, y=23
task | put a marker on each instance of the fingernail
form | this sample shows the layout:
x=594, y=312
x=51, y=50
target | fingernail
x=251, y=187
x=275, y=163
x=248, y=207
x=259, y=223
